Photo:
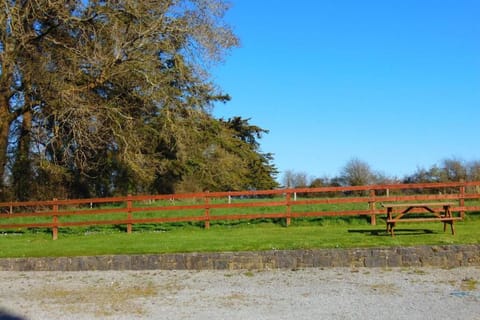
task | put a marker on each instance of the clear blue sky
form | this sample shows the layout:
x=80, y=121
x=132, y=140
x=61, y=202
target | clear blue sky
x=395, y=83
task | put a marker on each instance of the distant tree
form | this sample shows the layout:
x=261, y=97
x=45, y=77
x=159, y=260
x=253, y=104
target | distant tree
x=336, y=182
x=449, y=170
x=473, y=171
x=288, y=179
x=292, y=179
x=453, y=170
x=318, y=183
x=381, y=178
x=357, y=173
x=422, y=175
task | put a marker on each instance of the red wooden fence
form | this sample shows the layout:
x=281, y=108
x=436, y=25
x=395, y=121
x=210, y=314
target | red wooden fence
x=214, y=206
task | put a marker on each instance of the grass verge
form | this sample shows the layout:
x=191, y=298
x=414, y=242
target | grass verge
x=266, y=235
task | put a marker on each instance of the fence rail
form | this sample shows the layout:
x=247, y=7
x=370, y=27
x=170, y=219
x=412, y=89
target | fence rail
x=238, y=205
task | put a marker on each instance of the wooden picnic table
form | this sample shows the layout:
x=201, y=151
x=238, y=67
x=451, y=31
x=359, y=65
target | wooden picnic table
x=397, y=212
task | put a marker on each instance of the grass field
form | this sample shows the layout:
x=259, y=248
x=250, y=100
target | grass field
x=312, y=233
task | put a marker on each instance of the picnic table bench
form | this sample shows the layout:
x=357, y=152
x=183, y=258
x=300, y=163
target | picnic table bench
x=397, y=212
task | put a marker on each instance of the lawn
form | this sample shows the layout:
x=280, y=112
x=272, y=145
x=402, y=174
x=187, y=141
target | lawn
x=345, y=232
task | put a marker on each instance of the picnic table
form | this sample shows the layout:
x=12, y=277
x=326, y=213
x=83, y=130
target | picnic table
x=415, y=212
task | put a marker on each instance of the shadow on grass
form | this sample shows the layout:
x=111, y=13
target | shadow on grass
x=398, y=232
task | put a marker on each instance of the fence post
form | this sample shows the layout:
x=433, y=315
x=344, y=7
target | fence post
x=207, y=211
x=129, y=213
x=289, y=209
x=462, y=200
x=55, y=220
x=371, y=205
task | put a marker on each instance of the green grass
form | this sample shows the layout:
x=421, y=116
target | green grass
x=235, y=235
x=337, y=232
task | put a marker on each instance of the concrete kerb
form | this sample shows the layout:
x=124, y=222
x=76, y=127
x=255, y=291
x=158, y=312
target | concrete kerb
x=448, y=256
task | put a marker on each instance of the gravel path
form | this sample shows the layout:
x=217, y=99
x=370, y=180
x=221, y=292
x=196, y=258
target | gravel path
x=420, y=293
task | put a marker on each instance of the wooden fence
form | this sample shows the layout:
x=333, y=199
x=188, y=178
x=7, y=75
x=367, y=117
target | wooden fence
x=206, y=207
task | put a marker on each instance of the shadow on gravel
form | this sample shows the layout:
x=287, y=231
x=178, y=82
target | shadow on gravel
x=398, y=231
x=4, y=315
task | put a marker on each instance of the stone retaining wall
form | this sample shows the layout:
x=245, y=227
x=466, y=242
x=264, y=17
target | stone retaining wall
x=439, y=256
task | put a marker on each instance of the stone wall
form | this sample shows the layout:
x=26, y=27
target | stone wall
x=450, y=256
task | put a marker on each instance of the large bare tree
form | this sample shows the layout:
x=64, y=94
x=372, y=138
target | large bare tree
x=104, y=89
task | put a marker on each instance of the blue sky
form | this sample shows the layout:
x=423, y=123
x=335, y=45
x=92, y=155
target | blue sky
x=395, y=83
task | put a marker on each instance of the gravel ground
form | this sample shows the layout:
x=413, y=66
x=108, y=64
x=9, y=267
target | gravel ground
x=420, y=293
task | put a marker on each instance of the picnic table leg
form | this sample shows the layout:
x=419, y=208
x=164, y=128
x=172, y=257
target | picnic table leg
x=390, y=225
x=452, y=228
x=448, y=214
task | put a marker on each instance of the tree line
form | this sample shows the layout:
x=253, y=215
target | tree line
x=104, y=97
x=357, y=172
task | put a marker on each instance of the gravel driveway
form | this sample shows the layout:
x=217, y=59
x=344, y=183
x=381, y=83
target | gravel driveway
x=335, y=293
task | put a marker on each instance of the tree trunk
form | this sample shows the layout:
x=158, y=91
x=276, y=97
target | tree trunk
x=4, y=133
x=22, y=169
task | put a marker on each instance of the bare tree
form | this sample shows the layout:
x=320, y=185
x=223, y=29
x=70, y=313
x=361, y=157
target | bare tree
x=293, y=179
x=453, y=170
x=473, y=170
x=357, y=173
